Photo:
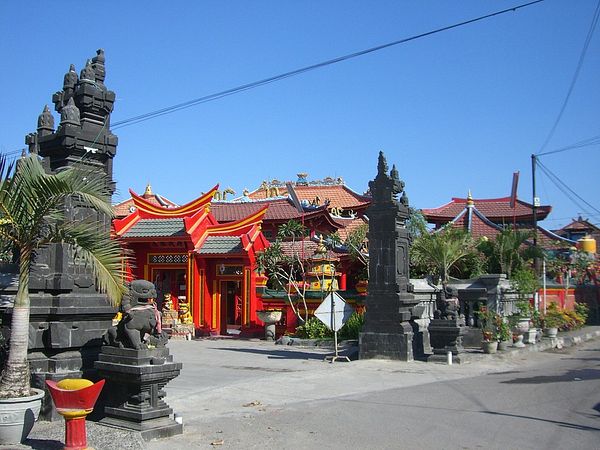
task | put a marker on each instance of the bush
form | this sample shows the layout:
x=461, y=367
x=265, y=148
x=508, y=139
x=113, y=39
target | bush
x=313, y=328
x=352, y=327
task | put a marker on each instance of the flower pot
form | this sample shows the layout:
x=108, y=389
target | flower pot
x=522, y=325
x=503, y=346
x=17, y=416
x=489, y=346
x=551, y=332
x=531, y=336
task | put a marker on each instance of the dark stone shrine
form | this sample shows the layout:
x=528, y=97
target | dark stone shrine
x=387, y=332
x=68, y=315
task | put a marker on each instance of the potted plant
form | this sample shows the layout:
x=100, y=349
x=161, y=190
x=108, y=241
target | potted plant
x=519, y=322
x=552, y=320
x=504, y=335
x=489, y=329
x=32, y=205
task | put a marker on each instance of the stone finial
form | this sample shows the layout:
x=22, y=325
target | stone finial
x=98, y=66
x=88, y=73
x=70, y=114
x=394, y=173
x=45, y=123
x=70, y=79
x=302, y=178
x=382, y=166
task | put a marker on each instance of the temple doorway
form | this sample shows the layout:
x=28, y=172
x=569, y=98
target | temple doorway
x=169, y=281
x=231, y=306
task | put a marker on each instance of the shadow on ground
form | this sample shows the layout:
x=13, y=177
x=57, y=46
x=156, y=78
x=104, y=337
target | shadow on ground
x=277, y=354
x=571, y=375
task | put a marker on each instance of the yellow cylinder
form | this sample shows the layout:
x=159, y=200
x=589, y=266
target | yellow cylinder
x=587, y=244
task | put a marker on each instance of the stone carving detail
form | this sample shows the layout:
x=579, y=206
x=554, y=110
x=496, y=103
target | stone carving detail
x=88, y=73
x=70, y=114
x=70, y=79
x=140, y=325
x=45, y=121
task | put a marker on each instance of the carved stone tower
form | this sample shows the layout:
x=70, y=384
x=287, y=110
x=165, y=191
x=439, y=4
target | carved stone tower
x=387, y=333
x=68, y=315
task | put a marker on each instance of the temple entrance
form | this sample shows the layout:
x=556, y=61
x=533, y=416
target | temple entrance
x=169, y=281
x=231, y=306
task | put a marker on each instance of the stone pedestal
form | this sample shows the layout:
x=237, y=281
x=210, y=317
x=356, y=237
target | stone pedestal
x=446, y=336
x=377, y=345
x=134, y=395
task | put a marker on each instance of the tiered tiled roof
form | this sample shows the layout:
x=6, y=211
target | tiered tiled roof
x=349, y=225
x=316, y=192
x=497, y=210
x=473, y=220
x=156, y=228
x=222, y=245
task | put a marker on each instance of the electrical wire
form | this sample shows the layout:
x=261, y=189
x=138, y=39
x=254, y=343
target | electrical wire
x=255, y=84
x=575, y=75
x=595, y=140
x=570, y=193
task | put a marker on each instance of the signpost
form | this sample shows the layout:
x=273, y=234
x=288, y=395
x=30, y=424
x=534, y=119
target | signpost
x=334, y=312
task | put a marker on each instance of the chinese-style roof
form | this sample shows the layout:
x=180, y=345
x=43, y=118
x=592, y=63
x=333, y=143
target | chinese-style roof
x=316, y=192
x=221, y=245
x=497, y=210
x=580, y=225
x=127, y=207
x=156, y=228
x=305, y=249
x=349, y=225
x=475, y=222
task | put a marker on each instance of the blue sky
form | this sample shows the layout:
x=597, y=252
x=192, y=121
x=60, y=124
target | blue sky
x=459, y=110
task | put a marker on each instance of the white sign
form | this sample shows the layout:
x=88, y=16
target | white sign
x=334, y=312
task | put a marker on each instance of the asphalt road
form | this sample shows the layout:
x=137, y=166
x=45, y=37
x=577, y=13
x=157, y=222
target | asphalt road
x=273, y=397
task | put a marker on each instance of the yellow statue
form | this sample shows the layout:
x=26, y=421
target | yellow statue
x=184, y=312
x=168, y=303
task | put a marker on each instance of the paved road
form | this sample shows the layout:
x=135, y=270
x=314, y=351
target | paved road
x=257, y=395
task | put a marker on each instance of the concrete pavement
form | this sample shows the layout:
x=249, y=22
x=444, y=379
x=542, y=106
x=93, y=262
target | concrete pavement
x=238, y=381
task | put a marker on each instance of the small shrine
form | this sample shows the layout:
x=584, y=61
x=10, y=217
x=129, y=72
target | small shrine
x=321, y=274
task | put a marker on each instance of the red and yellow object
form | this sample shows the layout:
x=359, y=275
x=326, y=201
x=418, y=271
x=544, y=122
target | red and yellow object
x=74, y=399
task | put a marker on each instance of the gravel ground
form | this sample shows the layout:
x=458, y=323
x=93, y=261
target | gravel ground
x=51, y=436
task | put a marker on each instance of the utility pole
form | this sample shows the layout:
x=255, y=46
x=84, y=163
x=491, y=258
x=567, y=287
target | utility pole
x=534, y=206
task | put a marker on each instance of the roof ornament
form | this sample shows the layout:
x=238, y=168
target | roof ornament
x=70, y=114
x=148, y=191
x=470, y=201
x=45, y=123
x=302, y=179
x=382, y=166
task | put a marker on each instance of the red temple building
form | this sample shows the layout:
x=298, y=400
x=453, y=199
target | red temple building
x=204, y=252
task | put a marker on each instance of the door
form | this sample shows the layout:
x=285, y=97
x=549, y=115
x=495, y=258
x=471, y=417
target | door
x=231, y=306
x=169, y=281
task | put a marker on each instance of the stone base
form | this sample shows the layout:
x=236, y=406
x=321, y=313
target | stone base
x=150, y=429
x=395, y=346
x=134, y=395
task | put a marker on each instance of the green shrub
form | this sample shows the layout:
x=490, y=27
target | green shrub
x=313, y=328
x=352, y=327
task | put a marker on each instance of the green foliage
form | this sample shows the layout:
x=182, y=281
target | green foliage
x=564, y=320
x=352, y=327
x=504, y=332
x=525, y=282
x=313, y=328
x=491, y=323
x=508, y=251
x=438, y=252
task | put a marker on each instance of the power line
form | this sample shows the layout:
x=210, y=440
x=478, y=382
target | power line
x=575, y=75
x=570, y=193
x=595, y=140
x=255, y=84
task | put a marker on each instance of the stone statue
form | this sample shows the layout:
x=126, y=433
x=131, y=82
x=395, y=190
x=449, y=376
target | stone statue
x=70, y=79
x=45, y=124
x=140, y=325
x=447, y=305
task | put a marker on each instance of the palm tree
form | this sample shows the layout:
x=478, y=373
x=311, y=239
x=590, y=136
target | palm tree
x=509, y=250
x=31, y=217
x=440, y=251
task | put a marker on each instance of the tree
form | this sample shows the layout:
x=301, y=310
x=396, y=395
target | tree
x=32, y=217
x=286, y=271
x=509, y=251
x=440, y=251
